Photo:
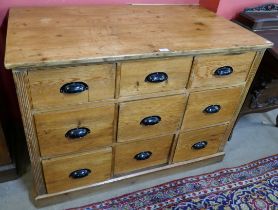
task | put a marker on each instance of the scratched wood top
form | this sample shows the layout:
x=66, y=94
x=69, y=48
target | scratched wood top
x=74, y=35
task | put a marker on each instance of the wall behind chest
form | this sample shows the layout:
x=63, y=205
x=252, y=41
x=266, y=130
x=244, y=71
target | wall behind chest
x=230, y=9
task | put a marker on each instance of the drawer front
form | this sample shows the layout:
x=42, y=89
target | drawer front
x=141, y=154
x=220, y=70
x=71, y=85
x=210, y=107
x=151, y=76
x=71, y=131
x=150, y=117
x=199, y=143
x=68, y=172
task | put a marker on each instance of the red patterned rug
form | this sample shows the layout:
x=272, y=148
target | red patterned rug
x=250, y=186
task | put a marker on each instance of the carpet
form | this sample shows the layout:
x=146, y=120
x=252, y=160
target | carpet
x=250, y=186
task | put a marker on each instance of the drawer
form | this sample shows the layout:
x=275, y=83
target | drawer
x=72, y=131
x=151, y=76
x=210, y=107
x=220, y=70
x=68, y=172
x=150, y=117
x=199, y=143
x=71, y=85
x=141, y=154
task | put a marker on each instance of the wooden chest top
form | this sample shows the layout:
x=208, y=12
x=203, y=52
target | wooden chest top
x=74, y=35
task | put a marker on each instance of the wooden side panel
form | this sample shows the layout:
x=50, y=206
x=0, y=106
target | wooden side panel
x=213, y=136
x=170, y=109
x=227, y=98
x=125, y=154
x=252, y=73
x=22, y=88
x=204, y=67
x=57, y=170
x=134, y=73
x=45, y=85
x=52, y=127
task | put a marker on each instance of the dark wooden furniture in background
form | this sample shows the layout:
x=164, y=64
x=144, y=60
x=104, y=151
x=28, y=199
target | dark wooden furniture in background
x=13, y=149
x=263, y=94
x=7, y=167
x=4, y=153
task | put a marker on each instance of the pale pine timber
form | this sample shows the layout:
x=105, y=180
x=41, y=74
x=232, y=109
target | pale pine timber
x=72, y=35
x=21, y=83
x=124, y=44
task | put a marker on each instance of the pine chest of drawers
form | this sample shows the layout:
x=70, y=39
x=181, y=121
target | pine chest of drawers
x=113, y=92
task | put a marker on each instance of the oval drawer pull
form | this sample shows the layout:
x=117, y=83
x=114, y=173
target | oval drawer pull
x=80, y=173
x=223, y=71
x=151, y=120
x=74, y=87
x=212, y=109
x=76, y=133
x=143, y=155
x=200, y=145
x=156, y=77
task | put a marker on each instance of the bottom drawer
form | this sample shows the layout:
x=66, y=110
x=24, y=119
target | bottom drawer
x=142, y=154
x=77, y=170
x=199, y=143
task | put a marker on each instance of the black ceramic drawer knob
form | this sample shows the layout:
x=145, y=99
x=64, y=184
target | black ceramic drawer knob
x=143, y=155
x=80, y=173
x=151, y=120
x=76, y=133
x=212, y=109
x=223, y=71
x=200, y=145
x=73, y=87
x=156, y=77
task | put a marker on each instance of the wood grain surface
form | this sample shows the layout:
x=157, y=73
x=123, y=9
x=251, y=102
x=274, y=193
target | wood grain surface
x=45, y=85
x=57, y=170
x=251, y=75
x=170, y=109
x=127, y=180
x=212, y=135
x=113, y=49
x=52, y=127
x=134, y=73
x=125, y=153
x=195, y=117
x=204, y=67
x=22, y=90
x=72, y=35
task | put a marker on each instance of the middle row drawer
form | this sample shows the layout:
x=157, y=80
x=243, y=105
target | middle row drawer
x=151, y=117
x=62, y=132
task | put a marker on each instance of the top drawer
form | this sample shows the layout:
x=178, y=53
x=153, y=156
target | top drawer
x=220, y=70
x=157, y=75
x=71, y=85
